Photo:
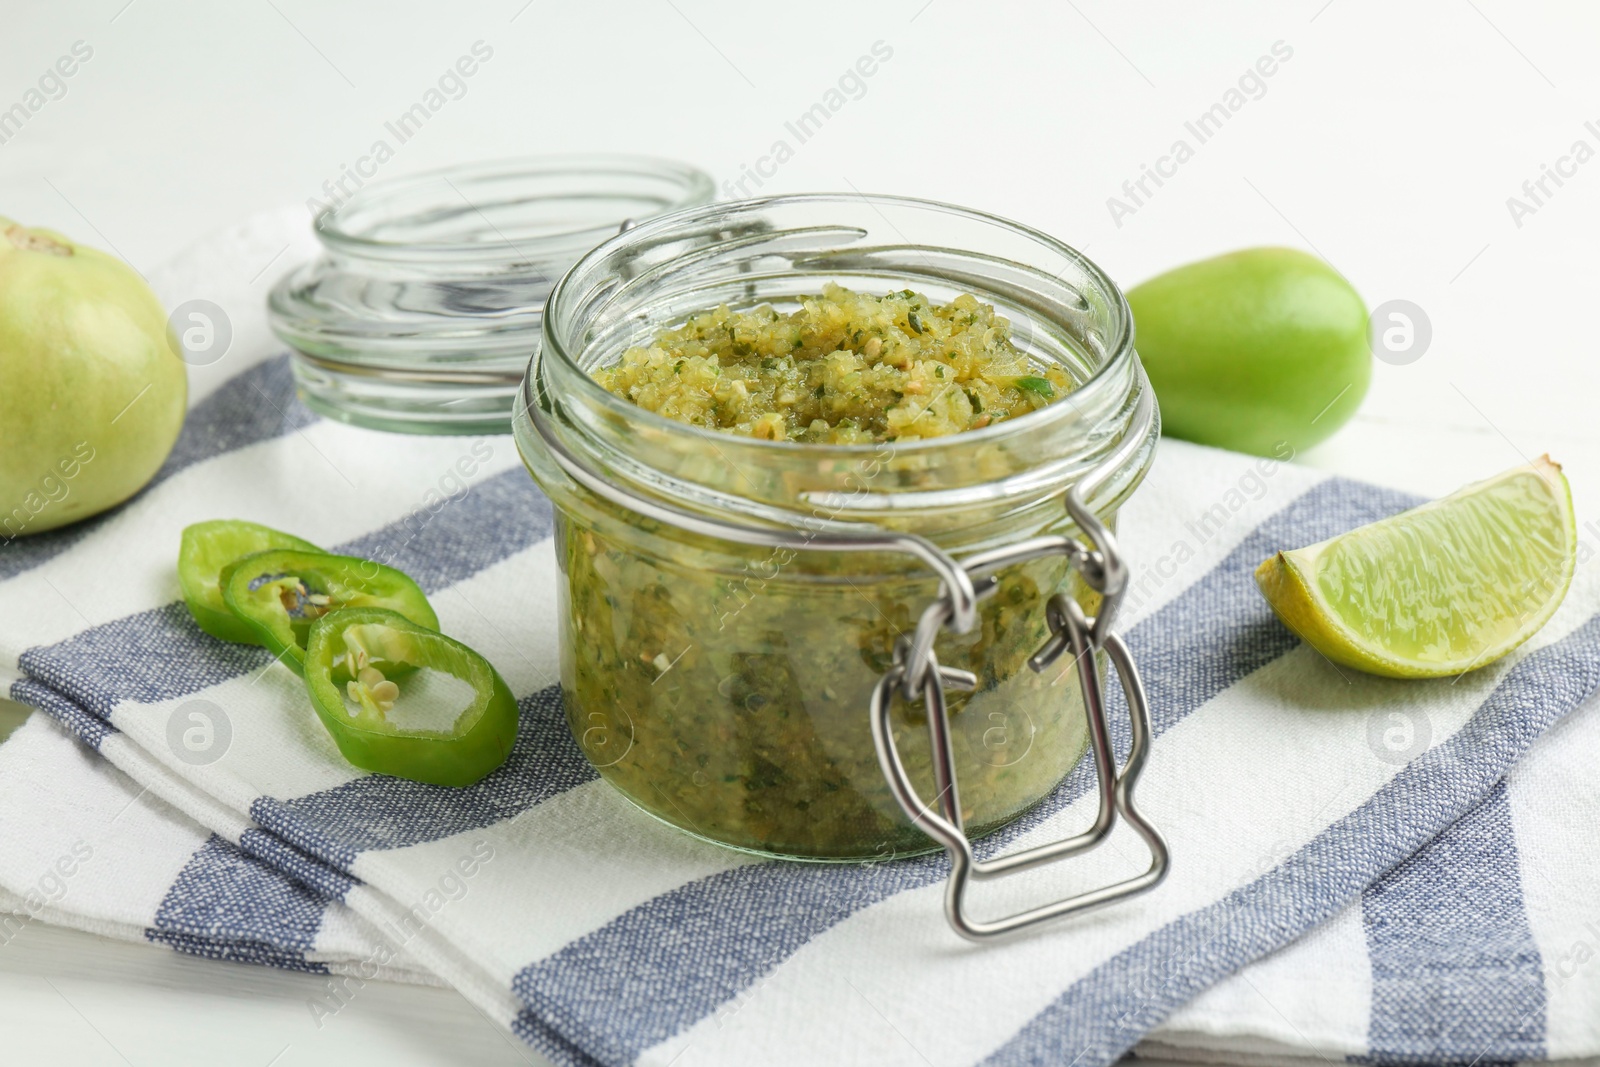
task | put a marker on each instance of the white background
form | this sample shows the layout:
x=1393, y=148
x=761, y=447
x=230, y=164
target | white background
x=1389, y=143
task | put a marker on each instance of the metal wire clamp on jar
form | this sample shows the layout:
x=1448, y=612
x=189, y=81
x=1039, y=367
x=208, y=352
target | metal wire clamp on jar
x=1056, y=471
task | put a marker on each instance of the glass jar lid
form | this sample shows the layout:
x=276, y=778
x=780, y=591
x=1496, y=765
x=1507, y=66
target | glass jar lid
x=429, y=299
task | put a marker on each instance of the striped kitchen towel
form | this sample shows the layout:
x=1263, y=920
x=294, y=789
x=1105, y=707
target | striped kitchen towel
x=1325, y=826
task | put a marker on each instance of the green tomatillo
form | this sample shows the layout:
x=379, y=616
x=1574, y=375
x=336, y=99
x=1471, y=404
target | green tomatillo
x=92, y=395
x=1264, y=350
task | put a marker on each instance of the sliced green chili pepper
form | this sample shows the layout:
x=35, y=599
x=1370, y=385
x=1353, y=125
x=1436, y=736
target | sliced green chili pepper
x=400, y=699
x=205, y=549
x=280, y=593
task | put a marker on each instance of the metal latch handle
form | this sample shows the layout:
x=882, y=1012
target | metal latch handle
x=917, y=673
x=946, y=826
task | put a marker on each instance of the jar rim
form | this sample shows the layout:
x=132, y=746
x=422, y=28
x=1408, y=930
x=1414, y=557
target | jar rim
x=776, y=250
x=346, y=228
x=1121, y=347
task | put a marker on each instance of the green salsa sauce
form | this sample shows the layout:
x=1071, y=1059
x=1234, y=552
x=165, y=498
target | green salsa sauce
x=724, y=688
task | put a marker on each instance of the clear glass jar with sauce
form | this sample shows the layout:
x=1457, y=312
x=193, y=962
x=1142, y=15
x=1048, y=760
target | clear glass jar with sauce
x=723, y=684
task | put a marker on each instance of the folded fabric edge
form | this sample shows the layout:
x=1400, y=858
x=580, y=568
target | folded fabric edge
x=132, y=760
x=272, y=855
x=16, y=914
x=373, y=908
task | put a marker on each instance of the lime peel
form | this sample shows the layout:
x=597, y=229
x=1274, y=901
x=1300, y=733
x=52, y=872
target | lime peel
x=1444, y=588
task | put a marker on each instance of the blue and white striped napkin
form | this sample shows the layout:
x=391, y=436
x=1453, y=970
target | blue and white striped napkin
x=1354, y=874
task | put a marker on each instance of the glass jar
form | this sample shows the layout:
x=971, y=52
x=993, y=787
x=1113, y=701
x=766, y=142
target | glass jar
x=421, y=316
x=724, y=686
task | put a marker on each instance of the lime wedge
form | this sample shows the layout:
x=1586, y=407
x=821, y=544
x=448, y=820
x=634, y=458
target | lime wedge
x=1438, y=590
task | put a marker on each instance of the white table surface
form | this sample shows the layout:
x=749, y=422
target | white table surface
x=1389, y=142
